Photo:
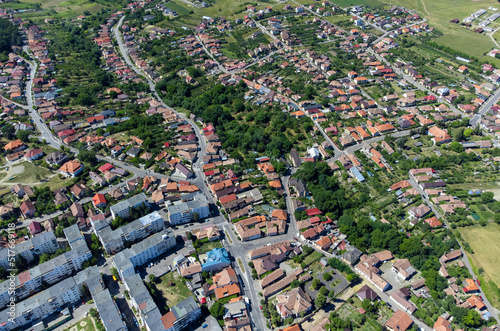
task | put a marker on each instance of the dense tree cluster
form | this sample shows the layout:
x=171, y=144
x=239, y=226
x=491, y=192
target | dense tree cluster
x=329, y=195
x=9, y=37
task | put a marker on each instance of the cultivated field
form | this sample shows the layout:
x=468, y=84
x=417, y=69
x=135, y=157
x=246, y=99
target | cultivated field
x=485, y=242
x=439, y=14
x=63, y=8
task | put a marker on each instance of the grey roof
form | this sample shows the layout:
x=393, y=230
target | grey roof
x=184, y=307
x=73, y=233
x=134, y=151
x=130, y=202
x=352, y=254
x=235, y=308
x=140, y=294
x=185, y=171
x=107, y=234
x=255, y=194
x=108, y=311
x=35, y=241
x=122, y=259
x=92, y=278
x=198, y=200
x=42, y=298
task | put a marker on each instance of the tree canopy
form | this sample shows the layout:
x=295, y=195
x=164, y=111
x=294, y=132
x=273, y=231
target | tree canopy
x=9, y=36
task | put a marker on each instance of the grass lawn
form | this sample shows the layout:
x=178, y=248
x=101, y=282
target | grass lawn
x=84, y=324
x=485, y=242
x=241, y=265
x=174, y=293
x=56, y=183
x=209, y=246
x=30, y=174
x=313, y=257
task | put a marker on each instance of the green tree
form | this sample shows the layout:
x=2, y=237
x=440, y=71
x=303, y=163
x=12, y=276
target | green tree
x=9, y=37
x=295, y=283
x=368, y=306
x=23, y=135
x=315, y=284
x=8, y=131
x=44, y=258
x=320, y=301
x=323, y=290
x=351, y=277
x=217, y=310
x=114, y=272
x=59, y=232
x=456, y=147
x=472, y=319
x=151, y=278
x=20, y=262
x=327, y=276
x=196, y=217
x=459, y=135
x=85, y=291
x=487, y=197
x=87, y=156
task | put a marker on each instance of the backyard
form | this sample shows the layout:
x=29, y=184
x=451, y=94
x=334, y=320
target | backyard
x=84, y=324
x=173, y=288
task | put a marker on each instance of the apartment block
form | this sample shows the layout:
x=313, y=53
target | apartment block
x=122, y=208
x=29, y=282
x=108, y=311
x=44, y=243
x=182, y=211
x=40, y=305
x=143, y=252
x=114, y=241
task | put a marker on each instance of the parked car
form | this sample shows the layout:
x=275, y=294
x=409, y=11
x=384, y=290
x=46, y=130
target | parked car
x=205, y=325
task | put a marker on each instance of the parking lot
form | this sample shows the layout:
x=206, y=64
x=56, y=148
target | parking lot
x=162, y=264
x=210, y=323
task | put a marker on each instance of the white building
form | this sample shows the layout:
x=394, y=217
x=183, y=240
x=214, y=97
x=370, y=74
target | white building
x=182, y=211
x=143, y=252
x=122, y=208
x=41, y=305
x=44, y=243
x=113, y=241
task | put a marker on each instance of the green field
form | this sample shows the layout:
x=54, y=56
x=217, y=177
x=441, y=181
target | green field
x=349, y=3
x=485, y=242
x=178, y=8
x=225, y=8
x=62, y=8
x=30, y=174
x=439, y=14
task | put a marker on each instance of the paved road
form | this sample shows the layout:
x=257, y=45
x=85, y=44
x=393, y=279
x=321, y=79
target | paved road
x=485, y=107
x=207, y=51
x=235, y=249
x=429, y=203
